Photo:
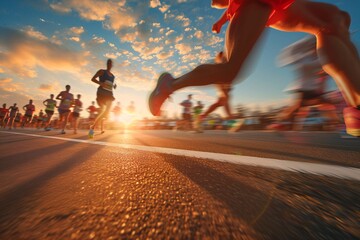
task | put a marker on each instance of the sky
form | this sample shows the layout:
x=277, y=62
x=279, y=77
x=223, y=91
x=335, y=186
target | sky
x=46, y=44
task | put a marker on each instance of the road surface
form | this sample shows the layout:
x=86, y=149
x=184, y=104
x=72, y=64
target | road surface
x=179, y=185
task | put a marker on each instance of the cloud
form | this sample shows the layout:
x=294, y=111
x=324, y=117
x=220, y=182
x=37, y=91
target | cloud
x=75, y=39
x=113, y=14
x=164, y=8
x=199, y=34
x=45, y=87
x=77, y=30
x=183, y=48
x=29, y=30
x=23, y=54
x=8, y=85
x=155, y=3
x=186, y=21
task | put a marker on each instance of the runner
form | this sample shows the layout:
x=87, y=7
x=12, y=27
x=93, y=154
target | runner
x=66, y=100
x=197, y=117
x=3, y=115
x=40, y=119
x=131, y=108
x=50, y=105
x=223, y=93
x=33, y=121
x=310, y=85
x=329, y=24
x=186, y=122
x=117, y=111
x=29, y=111
x=13, y=111
x=104, y=94
x=92, y=110
x=76, y=112
x=18, y=119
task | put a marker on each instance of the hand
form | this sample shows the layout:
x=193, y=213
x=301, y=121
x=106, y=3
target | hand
x=216, y=28
x=115, y=86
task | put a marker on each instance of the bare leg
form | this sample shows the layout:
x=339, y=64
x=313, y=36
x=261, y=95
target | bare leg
x=66, y=118
x=105, y=109
x=242, y=34
x=212, y=108
x=336, y=52
x=227, y=107
x=48, y=121
x=75, y=124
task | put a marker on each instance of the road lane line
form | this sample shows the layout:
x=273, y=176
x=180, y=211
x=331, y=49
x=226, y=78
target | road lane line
x=293, y=166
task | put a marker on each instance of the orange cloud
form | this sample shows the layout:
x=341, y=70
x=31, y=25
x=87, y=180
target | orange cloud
x=23, y=54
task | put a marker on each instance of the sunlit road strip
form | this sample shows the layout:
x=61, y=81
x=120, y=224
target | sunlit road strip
x=312, y=168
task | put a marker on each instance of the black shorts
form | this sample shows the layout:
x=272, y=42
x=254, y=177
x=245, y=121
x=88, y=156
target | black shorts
x=186, y=116
x=103, y=96
x=28, y=116
x=63, y=111
x=76, y=114
x=48, y=112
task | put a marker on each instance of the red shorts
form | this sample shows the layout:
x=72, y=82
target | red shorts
x=277, y=5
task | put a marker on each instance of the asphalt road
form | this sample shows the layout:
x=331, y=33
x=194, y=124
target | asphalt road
x=57, y=188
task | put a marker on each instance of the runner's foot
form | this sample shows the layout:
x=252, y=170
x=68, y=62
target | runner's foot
x=161, y=92
x=63, y=132
x=91, y=133
x=352, y=120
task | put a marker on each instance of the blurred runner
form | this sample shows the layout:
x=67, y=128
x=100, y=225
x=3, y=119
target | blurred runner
x=76, y=112
x=3, y=115
x=29, y=111
x=309, y=87
x=197, y=117
x=247, y=21
x=92, y=110
x=40, y=119
x=50, y=105
x=186, y=122
x=13, y=111
x=223, y=93
x=131, y=108
x=104, y=96
x=117, y=111
x=66, y=99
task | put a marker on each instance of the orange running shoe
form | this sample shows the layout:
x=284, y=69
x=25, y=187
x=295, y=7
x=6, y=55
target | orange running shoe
x=352, y=120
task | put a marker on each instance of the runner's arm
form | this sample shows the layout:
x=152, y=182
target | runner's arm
x=58, y=96
x=97, y=74
x=222, y=20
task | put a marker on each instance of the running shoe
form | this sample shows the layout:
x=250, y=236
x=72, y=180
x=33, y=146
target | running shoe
x=352, y=121
x=161, y=92
x=63, y=132
x=91, y=133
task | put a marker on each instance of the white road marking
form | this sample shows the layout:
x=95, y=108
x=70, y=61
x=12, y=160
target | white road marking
x=293, y=166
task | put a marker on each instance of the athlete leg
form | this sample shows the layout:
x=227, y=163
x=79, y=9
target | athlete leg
x=336, y=52
x=66, y=118
x=243, y=32
x=212, y=108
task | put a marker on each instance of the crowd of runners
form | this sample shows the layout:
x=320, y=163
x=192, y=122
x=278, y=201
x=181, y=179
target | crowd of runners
x=331, y=53
x=337, y=55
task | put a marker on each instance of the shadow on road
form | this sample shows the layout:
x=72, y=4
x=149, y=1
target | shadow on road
x=269, y=210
